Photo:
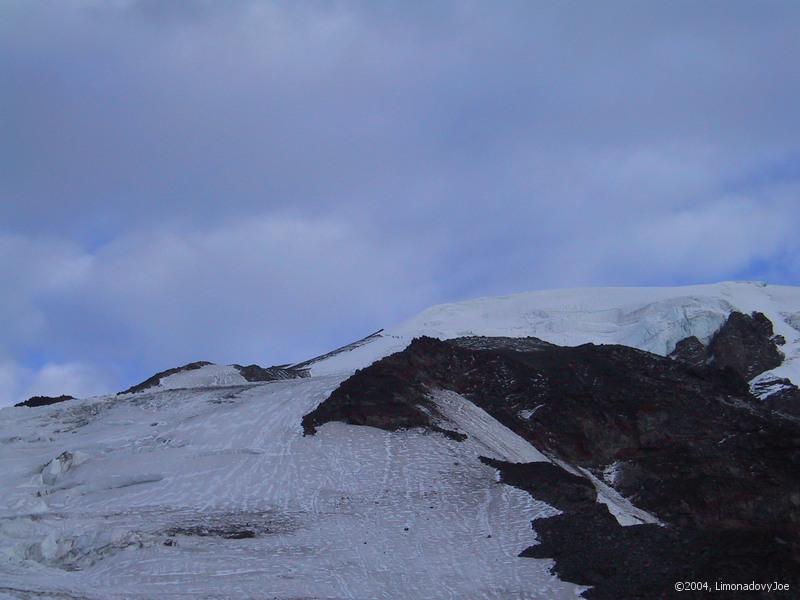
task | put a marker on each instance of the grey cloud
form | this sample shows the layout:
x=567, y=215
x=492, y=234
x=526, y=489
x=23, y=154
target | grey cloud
x=262, y=290
x=350, y=162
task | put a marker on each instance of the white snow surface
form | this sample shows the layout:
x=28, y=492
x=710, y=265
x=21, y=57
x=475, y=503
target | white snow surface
x=649, y=318
x=205, y=376
x=618, y=505
x=91, y=489
x=489, y=437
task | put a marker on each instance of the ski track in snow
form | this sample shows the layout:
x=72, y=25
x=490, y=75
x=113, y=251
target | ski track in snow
x=332, y=509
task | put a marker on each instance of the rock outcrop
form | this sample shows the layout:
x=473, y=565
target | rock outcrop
x=746, y=344
x=778, y=394
x=156, y=379
x=34, y=401
x=254, y=373
x=690, y=351
x=690, y=444
x=643, y=561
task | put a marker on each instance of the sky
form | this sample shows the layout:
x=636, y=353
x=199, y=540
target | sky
x=261, y=181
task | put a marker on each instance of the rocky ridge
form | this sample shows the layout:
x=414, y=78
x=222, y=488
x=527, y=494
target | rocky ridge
x=684, y=439
x=35, y=401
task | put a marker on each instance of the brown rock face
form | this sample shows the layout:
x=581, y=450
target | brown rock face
x=34, y=401
x=256, y=373
x=690, y=351
x=782, y=396
x=690, y=443
x=745, y=343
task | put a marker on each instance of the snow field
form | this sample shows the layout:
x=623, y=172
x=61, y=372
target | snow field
x=352, y=512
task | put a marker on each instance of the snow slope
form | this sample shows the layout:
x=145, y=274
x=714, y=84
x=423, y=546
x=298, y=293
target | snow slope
x=92, y=490
x=205, y=376
x=652, y=319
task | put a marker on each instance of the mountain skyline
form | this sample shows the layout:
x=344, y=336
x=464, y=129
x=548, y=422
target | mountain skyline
x=263, y=181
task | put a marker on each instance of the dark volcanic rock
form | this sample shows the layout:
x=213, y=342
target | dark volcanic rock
x=34, y=401
x=233, y=532
x=525, y=344
x=381, y=399
x=548, y=482
x=233, y=525
x=255, y=373
x=690, y=443
x=779, y=394
x=645, y=561
x=745, y=344
x=690, y=351
x=156, y=379
x=640, y=561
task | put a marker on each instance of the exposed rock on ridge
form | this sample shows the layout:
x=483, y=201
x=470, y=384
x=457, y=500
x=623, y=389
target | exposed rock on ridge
x=745, y=343
x=156, y=379
x=690, y=351
x=251, y=373
x=34, y=401
x=254, y=373
x=643, y=561
x=688, y=443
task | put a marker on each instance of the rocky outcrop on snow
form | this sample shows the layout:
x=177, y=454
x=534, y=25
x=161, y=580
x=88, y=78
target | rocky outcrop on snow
x=690, y=351
x=688, y=443
x=744, y=343
x=779, y=394
x=592, y=548
x=156, y=379
x=747, y=345
x=254, y=373
x=35, y=401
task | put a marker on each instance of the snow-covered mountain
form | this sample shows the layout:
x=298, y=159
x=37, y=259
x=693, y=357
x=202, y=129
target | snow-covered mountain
x=654, y=319
x=202, y=483
x=651, y=318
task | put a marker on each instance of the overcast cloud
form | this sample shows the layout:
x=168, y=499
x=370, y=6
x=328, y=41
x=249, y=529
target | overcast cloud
x=261, y=181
